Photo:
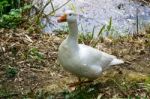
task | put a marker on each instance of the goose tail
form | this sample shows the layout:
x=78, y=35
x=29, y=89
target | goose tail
x=116, y=62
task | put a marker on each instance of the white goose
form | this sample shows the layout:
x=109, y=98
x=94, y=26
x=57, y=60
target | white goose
x=80, y=59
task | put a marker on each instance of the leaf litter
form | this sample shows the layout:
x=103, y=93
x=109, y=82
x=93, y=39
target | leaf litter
x=39, y=74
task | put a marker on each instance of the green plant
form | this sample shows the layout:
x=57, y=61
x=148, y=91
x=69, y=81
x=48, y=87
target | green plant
x=33, y=53
x=11, y=20
x=5, y=92
x=147, y=84
x=11, y=13
x=110, y=30
x=11, y=72
x=3, y=5
x=89, y=38
x=7, y=5
x=109, y=26
x=39, y=15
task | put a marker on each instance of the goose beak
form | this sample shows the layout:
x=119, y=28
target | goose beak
x=62, y=18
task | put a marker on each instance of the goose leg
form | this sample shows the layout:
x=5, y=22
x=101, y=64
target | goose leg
x=79, y=82
x=75, y=83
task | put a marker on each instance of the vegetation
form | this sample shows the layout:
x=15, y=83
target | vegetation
x=11, y=12
x=11, y=72
x=34, y=54
x=105, y=31
x=29, y=68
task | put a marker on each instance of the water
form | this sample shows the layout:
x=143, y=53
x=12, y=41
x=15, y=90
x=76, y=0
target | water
x=96, y=13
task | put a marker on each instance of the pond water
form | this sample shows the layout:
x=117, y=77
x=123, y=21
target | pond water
x=96, y=13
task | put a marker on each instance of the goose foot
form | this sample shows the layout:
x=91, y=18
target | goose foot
x=79, y=82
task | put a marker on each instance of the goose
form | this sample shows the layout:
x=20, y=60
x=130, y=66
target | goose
x=79, y=59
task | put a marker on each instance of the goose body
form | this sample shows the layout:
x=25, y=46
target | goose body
x=80, y=59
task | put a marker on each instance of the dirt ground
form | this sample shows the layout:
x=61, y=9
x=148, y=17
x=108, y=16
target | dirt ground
x=144, y=2
x=29, y=68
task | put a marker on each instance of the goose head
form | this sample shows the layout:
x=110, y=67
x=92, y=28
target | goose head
x=68, y=16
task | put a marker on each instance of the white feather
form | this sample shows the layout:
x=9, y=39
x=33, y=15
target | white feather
x=83, y=60
x=116, y=62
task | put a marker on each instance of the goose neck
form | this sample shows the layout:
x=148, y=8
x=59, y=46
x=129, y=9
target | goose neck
x=73, y=33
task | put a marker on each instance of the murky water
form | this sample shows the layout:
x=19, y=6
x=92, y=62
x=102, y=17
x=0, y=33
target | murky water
x=96, y=13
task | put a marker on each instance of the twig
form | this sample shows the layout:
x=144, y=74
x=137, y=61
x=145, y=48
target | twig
x=42, y=10
x=28, y=38
x=52, y=6
x=137, y=21
x=59, y=7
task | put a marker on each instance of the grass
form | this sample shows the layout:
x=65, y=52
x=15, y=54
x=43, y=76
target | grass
x=11, y=72
x=34, y=54
x=106, y=32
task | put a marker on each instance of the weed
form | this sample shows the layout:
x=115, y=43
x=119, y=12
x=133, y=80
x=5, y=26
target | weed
x=33, y=53
x=7, y=5
x=109, y=25
x=7, y=94
x=3, y=5
x=13, y=18
x=11, y=72
x=86, y=39
x=89, y=38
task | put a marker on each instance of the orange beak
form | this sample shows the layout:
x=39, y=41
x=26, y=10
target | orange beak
x=62, y=18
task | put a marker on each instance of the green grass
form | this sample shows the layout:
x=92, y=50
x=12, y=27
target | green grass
x=35, y=54
x=11, y=72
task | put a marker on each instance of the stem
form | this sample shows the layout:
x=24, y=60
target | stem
x=137, y=21
x=59, y=7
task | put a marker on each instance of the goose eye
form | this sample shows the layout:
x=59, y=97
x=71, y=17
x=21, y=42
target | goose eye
x=70, y=14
